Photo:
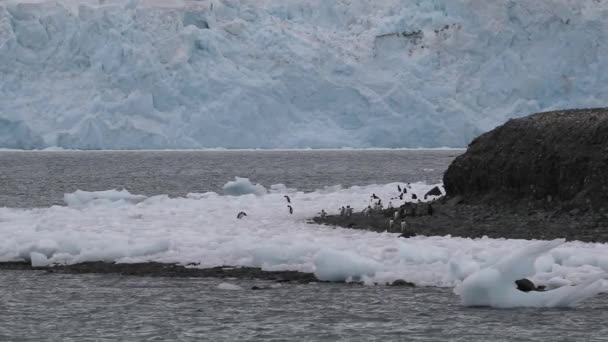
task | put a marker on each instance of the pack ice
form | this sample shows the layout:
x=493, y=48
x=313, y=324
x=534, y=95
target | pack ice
x=202, y=229
x=150, y=74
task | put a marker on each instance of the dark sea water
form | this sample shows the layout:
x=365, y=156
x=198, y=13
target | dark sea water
x=41, y=306
x=38, y=178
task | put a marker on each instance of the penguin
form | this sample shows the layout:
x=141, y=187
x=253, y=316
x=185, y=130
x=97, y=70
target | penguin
x=401, y=197
x=403, y=224
x=396, y=214
x=290, y=209
x=398, y=188
x=409, y=186
x=414, y=196
x=287, y=198
x=342, y=211
x=323, y=214
x=404, y=190
x=368, y=210
x=349, y=210
x=241, y=215
x=374, y=196
x=390, y=205
x=390, y=225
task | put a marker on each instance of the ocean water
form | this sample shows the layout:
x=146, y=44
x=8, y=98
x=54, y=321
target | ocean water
x=39, y=179
x=41, y=306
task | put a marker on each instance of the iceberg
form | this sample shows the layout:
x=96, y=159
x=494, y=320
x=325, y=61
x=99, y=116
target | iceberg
x=151, y=74
x=495, y=285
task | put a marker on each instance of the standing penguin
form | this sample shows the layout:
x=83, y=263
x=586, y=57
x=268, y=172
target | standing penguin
x=396, y=214
x=390, y=225
x=374, y=196
x=342, y=211
x=403, y=226
x=349, y=211
x=414, y=196
x=290, y=209
x=287, y=198
x=398, y=188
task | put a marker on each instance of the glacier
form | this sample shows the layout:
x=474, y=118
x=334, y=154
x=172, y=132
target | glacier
x=164, y=74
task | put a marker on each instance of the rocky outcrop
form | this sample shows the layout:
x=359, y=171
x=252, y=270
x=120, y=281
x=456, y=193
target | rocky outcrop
x=552, y=159
x=544, y=176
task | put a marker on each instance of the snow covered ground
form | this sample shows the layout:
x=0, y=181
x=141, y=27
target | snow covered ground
x=202, y=228
x=135, y=74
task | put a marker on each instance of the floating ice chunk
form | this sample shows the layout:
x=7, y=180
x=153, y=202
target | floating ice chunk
x=338, y=266
x=229, y=287
x=494, y=286
x=280, y=189
x=38, y=259
x=243, y=186
x=81, y=198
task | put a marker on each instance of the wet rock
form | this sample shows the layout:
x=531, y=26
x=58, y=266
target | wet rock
x=433, y=192
x=407, y=235
x=401, y=282
x=526, y=285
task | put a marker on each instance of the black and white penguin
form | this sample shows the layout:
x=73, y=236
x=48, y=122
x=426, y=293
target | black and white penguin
x=323, y=213
x=390, y=225
x=414, y=196
x=241, y=215
x=401, y=197
x=398, y=188
x=374, y=196
x=403, y=224
x=290, y=209
x=287, y=198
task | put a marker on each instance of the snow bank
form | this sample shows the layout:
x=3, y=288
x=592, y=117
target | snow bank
x=81, y=198
x=294, y=73
x=203, y=228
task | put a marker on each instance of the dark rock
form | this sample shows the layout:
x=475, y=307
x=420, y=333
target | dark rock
x=454, y=200
x=527, y=285
x=406, y=235
x=433, y=192
x=401, y=282
x=157, y=269
x=562, y=154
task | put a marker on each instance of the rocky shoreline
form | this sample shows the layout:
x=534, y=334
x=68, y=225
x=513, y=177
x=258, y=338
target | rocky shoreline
x=155, y=269
x=543, y=176
x=478, y=220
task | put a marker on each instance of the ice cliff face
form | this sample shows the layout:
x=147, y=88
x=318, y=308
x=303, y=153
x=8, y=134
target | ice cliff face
x=290, y=73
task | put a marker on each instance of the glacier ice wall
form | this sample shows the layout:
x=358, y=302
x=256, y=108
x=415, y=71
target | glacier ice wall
x=292, y=73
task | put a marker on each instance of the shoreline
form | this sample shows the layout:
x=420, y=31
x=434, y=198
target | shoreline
x=478, y=220
x=157, y=269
